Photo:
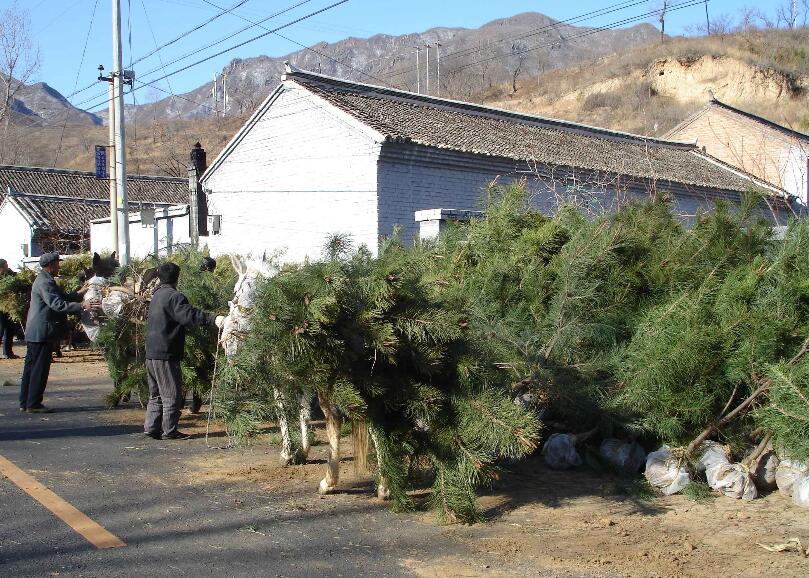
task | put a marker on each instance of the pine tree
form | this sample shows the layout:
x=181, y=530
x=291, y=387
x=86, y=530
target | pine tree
x=378, y=341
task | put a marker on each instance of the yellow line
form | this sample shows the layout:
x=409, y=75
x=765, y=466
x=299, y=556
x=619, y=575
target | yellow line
x=97, y=535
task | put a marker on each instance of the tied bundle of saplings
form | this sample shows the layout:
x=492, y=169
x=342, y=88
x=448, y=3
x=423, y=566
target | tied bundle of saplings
x=375, y=337
x=123, y=338
x=15, y=294
x=630, y=325
x=633, y=325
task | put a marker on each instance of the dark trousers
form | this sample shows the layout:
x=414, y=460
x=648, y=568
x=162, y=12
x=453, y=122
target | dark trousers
x=35, y=374
x=165, y=396
x=6, y=334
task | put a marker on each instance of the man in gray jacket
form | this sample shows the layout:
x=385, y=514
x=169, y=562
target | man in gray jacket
x=170, y=314
x=49, y=308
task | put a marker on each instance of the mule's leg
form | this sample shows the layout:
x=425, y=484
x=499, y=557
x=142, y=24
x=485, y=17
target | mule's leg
x=333, y=422
x=305, y=417
x=283, y=426
x=382, y=489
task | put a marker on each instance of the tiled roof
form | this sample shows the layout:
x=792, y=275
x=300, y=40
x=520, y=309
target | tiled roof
x=65, y=215
x=763, y=121
x=406, y=117
x=84, y=185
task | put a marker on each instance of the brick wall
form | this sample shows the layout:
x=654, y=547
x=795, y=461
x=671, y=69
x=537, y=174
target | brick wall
x=301, y=173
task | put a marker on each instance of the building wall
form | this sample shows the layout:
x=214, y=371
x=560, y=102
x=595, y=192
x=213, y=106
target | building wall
x=15, y=232
x=168, y=232
x=413, y=178
x=303, y=171
x=756, y=149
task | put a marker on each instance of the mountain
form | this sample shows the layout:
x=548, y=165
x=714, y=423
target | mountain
x=40, y=104
x=471, y=61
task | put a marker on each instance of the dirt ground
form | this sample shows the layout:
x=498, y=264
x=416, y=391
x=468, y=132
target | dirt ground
x=576, y=523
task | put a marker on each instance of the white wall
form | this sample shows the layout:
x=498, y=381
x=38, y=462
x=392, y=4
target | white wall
x=795, y=171
x=302, y=172
x=14, y=231
x=143, y=241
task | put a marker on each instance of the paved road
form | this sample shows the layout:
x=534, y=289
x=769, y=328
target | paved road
x=129, y=486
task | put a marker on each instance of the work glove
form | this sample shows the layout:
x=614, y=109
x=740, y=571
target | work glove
x=220, y=321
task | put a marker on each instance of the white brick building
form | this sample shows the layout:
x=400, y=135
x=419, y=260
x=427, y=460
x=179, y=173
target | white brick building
x=323, y=156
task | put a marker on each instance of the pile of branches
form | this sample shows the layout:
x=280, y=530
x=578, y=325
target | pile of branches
x=642, y=327
x=122, y=338
x=15, y=294
x=15, y=290
x=394, y=352
x=631, y=325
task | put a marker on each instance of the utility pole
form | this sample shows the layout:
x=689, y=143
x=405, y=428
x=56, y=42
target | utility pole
x=428, y=68
x=213, y=94
x=224, y=94
x=663, y=21
x=118, y=81
x=418, y=71
x=438, y=67
x=113, y=182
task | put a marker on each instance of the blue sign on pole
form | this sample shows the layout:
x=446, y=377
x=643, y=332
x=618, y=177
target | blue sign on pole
x=101, y=162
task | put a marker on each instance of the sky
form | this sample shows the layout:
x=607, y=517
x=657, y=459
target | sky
x=61, y=29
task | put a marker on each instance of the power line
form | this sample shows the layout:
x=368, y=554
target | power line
x=584, y=33
x=310, y=49
x=617, y=24
x=160, y=58
x=190, y=31
x=139, y=59
x=212, y=44
x=239, y=45
x=76, y=82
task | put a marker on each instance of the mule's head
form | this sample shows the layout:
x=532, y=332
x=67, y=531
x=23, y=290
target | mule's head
x=237, y=323
x=104, y=266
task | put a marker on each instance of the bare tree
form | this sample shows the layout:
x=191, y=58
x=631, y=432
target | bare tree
x=787, y=14
x=518, y=50
x=19, y=57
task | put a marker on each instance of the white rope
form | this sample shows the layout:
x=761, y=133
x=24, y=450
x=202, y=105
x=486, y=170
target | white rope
x=212, y=395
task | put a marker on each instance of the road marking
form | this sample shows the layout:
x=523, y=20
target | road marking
x=94, y=533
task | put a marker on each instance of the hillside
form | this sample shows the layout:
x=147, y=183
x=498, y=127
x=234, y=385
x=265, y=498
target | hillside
x=385, y=59
x=645, y=90
x=649, y=89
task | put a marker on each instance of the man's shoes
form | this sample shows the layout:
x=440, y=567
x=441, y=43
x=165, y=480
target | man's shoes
x=23, y=409
x=155, y=435
x=12, y=356
x=40, y=409
x=178, y=435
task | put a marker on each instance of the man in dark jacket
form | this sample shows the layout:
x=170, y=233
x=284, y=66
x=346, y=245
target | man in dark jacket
x=48, y=311
x=6, y=324
x=170, y=314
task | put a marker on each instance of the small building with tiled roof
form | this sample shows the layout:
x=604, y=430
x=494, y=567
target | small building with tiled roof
x=323, y=156
x=51, y=209
x=774, y=153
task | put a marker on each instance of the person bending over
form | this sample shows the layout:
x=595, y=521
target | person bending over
x=170, y=314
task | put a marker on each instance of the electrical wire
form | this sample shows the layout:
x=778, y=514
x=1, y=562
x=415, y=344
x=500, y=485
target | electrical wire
x=215, y=43
x=613, y=25
x=141, y=58
x=581, y=34
x=239, y=45
x=310, y=49
x=76, y=82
